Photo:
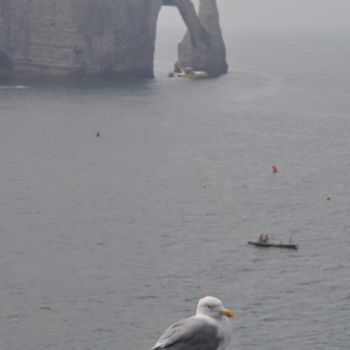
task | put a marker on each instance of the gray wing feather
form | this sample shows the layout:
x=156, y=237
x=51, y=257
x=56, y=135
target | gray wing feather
x=189, y=334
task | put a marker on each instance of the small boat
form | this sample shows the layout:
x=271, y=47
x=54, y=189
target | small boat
x=194, y=74
x=274, y=245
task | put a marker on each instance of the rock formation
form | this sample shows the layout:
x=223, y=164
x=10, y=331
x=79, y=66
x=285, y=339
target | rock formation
x=111, y=38
x=205, y=50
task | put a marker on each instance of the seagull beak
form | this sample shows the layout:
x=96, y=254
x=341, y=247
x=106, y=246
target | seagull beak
x=226, y=312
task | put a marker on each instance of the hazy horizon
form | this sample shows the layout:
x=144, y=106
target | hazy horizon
x=252, y=15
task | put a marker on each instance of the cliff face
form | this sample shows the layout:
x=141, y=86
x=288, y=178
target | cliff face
x=60, y=38
x=81, y=37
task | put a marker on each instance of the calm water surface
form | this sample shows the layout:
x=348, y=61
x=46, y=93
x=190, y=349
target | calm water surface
x=105, y=241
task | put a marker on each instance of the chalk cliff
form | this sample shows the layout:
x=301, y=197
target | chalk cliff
x=111, y=38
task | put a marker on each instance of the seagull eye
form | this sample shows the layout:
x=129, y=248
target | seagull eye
x=209, y=306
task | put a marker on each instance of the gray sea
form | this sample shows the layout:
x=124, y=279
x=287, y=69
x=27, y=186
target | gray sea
x=123, y=203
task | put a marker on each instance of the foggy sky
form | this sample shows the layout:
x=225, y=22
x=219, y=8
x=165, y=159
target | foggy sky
x=324, y=15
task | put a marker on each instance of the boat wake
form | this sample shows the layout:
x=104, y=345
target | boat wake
x=8, y=87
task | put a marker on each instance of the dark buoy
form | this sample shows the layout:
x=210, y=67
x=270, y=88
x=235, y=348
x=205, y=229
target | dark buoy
x=274, y=169
x=98, y=134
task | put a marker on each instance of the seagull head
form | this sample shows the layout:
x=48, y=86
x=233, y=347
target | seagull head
x=212, y=307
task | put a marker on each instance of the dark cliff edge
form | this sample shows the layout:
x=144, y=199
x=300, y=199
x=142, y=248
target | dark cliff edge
x=113, y=39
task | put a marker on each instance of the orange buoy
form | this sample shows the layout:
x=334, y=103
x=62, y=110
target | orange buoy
x=274, y=169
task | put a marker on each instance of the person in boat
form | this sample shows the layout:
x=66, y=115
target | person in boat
x=263, y=238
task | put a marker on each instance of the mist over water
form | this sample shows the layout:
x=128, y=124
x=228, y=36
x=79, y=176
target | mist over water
x=123, y=203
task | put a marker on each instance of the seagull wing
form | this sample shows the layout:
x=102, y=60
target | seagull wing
x=192, y=333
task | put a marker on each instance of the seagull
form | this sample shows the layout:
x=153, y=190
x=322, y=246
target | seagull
x=209, y=329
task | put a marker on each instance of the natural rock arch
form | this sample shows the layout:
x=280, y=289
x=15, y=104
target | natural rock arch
x=202, y=47
x=108, y=38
